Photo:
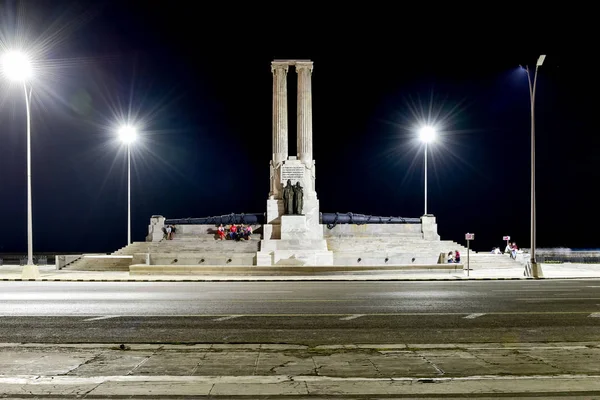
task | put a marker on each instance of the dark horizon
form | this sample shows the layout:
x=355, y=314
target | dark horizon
x=203, y=89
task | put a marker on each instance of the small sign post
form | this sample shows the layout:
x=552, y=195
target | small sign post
x=469, y=237
x=506, y=238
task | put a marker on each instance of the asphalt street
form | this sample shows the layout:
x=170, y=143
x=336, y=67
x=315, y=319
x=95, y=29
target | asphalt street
x=300, y=312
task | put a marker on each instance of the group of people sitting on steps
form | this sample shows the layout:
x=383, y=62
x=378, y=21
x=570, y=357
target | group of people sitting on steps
x=168, y=232
x=454, y=256
x=235, y=232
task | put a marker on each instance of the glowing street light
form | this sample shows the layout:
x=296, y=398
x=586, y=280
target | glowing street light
x=533, y=221
x=128, y=134
x=427, y=135
x=16, y=66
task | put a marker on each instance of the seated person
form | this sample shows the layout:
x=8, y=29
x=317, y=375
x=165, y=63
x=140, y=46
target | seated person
x=247, y=232
x=221, y=232
x=233, y=231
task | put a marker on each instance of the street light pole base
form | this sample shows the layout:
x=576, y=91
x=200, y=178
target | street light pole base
x=536, y=270
x=30, y=272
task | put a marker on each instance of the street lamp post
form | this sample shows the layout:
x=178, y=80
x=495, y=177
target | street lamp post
x=127, y=134
x=17, y=67
x=427, y=135
x=533, y=221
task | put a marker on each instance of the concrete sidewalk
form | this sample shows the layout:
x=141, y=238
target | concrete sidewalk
x=550, y=271
x=105, y=371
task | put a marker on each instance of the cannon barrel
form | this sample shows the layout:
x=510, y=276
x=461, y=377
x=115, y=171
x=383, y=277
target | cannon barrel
x=330, y=219
x=333, y=219
x=246, y=219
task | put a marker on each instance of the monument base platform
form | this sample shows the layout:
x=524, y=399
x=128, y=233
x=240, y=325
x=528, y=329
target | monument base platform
x=301, y=243
x=290, y=270
x=294, y=257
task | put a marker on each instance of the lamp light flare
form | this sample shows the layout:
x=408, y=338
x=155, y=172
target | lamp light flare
x=427, y=134
x=16, y=66
x=127, y=134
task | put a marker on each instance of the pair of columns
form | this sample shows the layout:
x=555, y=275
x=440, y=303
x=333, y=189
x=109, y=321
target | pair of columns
x=280, y=110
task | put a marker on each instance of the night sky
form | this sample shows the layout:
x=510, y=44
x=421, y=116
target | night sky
x=197, y=80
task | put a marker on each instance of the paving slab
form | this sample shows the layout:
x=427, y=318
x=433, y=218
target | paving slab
x=284, y=364
x=44, y=362
x=110, y=363
x=30, y=390
x=155, y=389
x=177, y=363
x=260, y=389
x=342, y=362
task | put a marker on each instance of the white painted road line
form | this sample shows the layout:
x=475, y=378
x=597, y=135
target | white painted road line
x=474, y=315
x=536, y=290
x=99, y=318
x=352, y=317
x=595, y=315
x=557, y=298
x=226, y=318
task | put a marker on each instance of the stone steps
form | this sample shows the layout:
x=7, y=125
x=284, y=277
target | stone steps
x=223, y=247
x=100, y=263
x=493, y=261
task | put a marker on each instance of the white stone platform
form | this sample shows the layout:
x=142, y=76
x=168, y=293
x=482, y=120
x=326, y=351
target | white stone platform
x=300, y=242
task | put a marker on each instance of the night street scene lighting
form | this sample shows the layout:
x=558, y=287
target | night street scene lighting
x=17, y=67
x=426, y=135
x=128, y=135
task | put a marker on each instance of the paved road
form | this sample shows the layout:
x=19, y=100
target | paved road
x=300, y=312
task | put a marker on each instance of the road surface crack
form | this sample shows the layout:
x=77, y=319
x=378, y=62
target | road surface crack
x=273, y=369
x=375, y=366
x=143, y=361
x=199, y=364
x=540, y=359
x=211, y=389
x=88, y=361
x=316, y=367
x=438, y=369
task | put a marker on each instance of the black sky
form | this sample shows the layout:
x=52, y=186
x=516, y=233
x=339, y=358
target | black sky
x=200, y=75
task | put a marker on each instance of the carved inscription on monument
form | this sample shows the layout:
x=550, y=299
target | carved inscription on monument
x=294, y=173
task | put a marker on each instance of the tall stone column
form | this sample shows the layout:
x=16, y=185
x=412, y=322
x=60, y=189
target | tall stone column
x=304, y=132
x=280, y=111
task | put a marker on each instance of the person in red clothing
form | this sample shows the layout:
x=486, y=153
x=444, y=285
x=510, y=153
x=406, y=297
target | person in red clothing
x=456, y=256
x=233, y=232
x=221, y=232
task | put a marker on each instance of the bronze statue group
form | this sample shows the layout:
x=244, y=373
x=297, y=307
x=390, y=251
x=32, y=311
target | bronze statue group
x=293, y=198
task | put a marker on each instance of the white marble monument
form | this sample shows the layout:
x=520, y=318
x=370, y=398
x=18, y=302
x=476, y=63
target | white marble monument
x=293, y=239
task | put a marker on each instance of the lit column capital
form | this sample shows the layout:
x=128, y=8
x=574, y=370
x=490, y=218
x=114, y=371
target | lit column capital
x=279, y=65
x=303, y=65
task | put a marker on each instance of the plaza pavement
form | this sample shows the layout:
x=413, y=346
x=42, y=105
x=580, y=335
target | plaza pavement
x=550, y=271
x=228, y=370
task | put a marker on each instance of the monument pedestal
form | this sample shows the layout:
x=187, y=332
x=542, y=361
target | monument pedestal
x=300, y=242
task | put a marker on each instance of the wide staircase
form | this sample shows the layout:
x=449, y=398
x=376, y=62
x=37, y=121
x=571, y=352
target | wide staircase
x=489, y=261
x=186, y=248
x=398, y=248
x=193, y=246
